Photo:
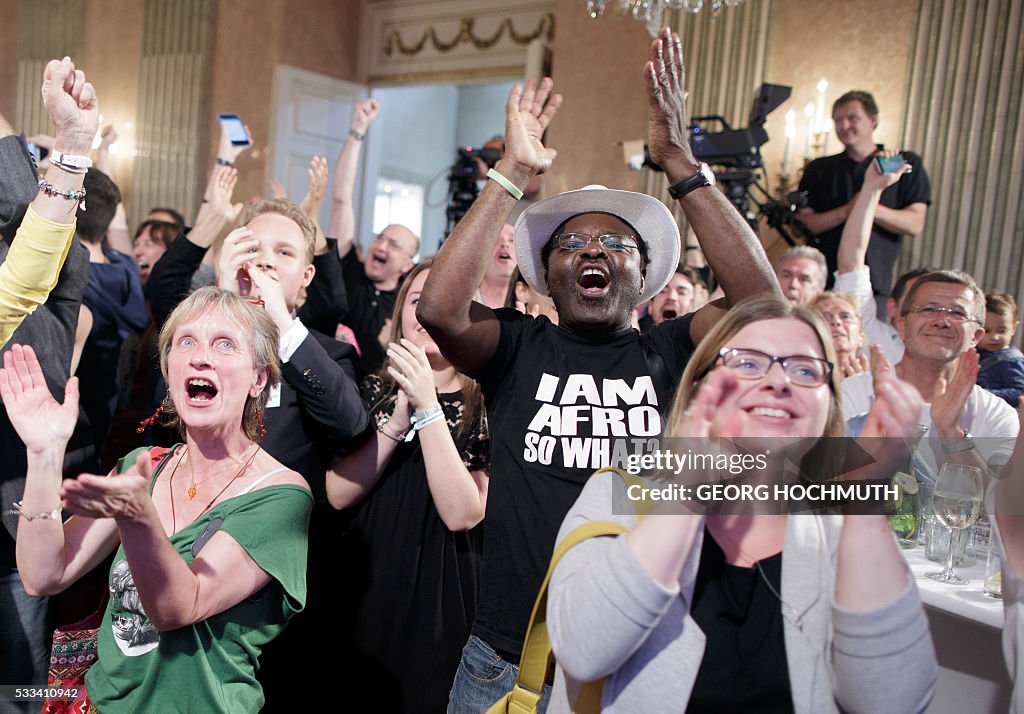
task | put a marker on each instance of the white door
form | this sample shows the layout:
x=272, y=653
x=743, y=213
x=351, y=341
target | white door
x=312, y=113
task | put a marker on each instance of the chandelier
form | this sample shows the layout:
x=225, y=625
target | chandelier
x=651, y=12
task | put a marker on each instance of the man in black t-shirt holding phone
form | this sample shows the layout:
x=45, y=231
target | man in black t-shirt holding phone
x=565, y=400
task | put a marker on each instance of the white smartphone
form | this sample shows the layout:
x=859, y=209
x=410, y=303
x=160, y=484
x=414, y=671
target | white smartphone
x=235, y=128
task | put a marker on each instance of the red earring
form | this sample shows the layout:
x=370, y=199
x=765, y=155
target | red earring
x=259, y=422
x=148, y=421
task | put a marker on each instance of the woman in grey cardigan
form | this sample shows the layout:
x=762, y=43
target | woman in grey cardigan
x=746, y=611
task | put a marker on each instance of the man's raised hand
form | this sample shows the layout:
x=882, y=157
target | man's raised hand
x=667, y=132
x=527, y=114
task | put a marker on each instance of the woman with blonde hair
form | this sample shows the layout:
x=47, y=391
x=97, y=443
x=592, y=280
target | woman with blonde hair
x=209, y=547
x=839, y=311
x=742, y=609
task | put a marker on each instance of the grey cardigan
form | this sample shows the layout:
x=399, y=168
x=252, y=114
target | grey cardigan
x=607, y=616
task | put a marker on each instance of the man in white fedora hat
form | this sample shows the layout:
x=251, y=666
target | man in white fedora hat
x=565, y=400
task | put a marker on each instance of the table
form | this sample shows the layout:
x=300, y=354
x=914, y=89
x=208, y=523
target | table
x=967, y=628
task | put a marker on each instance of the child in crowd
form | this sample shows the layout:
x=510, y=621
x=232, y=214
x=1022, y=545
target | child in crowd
x=1002, y=367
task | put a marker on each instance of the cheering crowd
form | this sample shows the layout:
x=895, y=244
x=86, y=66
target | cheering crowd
x=307, y=468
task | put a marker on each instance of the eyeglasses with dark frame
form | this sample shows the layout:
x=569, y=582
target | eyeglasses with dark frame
x=957, y=315
x=614, y=242
x=802, y=370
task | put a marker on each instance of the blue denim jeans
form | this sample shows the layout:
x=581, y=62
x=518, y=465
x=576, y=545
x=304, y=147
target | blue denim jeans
x=483, y=678
x=24, y=639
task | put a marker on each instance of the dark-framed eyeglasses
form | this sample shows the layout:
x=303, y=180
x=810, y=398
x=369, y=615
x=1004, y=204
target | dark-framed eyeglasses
x=801, y=370
x=957, y=315
x=614, y=242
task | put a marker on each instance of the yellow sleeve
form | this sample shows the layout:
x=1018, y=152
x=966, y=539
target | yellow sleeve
x=30, y=271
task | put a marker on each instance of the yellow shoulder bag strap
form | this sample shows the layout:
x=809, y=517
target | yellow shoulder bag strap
x=536, y=656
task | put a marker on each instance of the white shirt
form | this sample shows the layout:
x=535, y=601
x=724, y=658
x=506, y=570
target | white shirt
x=858, y=283
x=991, y=422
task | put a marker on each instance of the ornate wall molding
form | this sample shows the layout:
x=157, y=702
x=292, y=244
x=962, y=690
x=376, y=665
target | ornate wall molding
x=442, y=39
x=545, y=29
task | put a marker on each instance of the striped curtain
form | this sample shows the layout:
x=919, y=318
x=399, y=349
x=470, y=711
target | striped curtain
x=44, y=33
x=965, y=116
x=173, y=109
x=725, y=63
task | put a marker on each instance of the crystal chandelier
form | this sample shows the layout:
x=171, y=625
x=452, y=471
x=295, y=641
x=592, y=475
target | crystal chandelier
x=652, y=12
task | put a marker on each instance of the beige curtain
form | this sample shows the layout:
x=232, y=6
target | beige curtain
x=173, y=108
x=43, y=34
x=725, y=60
x=966, y=118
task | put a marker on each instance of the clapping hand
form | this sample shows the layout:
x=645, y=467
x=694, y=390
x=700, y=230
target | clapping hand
x=950, y=396
x=72, y=105
x=527, y=114
x=219, y=192
x=121, y=496
x=411, y=369
x=40, y=421
x=667, y=123
x=318, y=173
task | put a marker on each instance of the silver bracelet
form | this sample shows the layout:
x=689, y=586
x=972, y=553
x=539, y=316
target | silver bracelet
x=50, y=190
x=17, y=510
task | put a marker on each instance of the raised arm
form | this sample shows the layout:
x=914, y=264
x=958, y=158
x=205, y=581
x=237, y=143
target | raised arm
x=729, y=246
x=466, y=331
x=853, y=245
x=343, y=217
x=51, y=554
x=30, y=271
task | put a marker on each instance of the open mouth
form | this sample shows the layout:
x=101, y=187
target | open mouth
x=379, y=259
x=200, y=390
x=593, y=281
x=669, y=314
x=504, y=256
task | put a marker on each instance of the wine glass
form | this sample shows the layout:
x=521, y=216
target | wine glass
x=957, y=503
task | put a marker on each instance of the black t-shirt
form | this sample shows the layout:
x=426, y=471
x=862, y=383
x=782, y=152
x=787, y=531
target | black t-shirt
x=411, y=593
x=744, y=667
x=368, y=309
x=560, y=406
x=832, y=181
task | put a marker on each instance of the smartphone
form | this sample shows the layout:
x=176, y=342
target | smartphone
x=889, y=164
x=38, y=152
x=235, y=128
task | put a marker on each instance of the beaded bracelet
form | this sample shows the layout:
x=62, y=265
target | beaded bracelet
x=384, y=431
x=50, y=190
x=46, y=515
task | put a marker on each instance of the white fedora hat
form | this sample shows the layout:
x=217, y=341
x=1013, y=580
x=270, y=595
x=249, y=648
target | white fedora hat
x=650, y=217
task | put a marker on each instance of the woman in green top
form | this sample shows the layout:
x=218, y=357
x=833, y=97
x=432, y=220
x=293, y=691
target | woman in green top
x=210, y=546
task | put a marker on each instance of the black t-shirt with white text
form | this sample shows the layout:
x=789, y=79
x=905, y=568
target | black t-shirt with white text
x=560, y=406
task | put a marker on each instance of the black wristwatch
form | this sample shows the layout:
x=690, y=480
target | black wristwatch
x=704, y=177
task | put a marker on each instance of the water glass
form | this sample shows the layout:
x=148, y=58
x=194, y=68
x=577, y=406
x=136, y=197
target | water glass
x=993, y=570
x=936, y=541
x=957, y=499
